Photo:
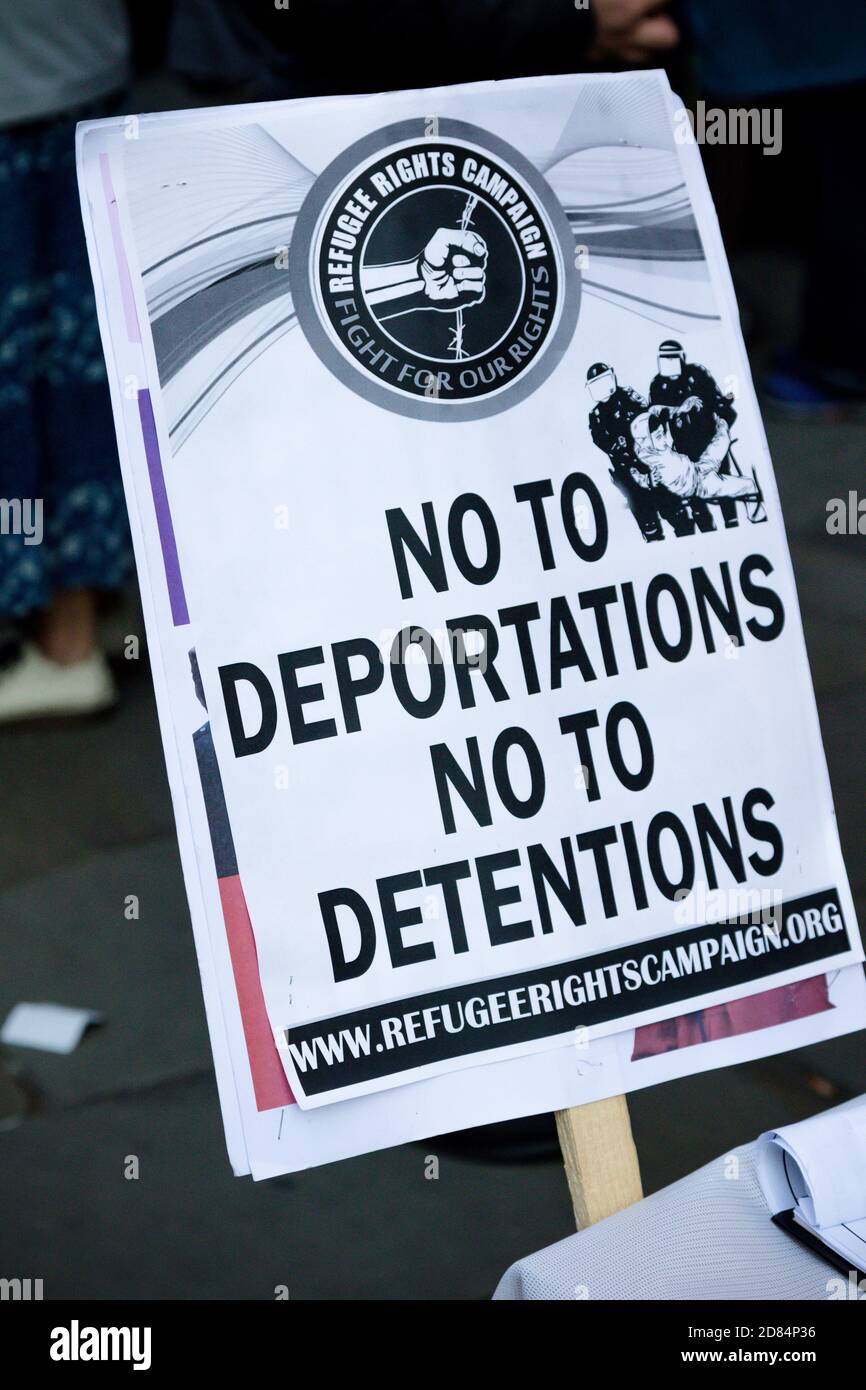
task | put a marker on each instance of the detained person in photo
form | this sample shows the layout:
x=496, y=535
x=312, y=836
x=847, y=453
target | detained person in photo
x=610, y=420
x=663, y=440
x=670, y=453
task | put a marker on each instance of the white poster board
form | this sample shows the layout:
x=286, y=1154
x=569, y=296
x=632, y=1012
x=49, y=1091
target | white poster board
x=438, y=426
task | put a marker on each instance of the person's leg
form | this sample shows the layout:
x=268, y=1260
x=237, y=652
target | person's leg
x=86, y=528
x=702, y=515
x=643, y=505
x=59, y=454
x=23, y=582
x=637, y=500
x=67, y=628
x=713, y=486
x=675, y=512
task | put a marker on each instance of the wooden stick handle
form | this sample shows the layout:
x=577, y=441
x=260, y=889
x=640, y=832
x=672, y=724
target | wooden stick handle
x=600, y=1159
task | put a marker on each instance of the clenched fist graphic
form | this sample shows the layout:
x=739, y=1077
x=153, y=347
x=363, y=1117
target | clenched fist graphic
x=448, y=274
x=453, y=268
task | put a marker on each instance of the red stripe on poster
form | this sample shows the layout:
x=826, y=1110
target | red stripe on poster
x=269, y=1080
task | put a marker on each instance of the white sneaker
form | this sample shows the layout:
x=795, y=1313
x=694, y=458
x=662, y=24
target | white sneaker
x=36, y=688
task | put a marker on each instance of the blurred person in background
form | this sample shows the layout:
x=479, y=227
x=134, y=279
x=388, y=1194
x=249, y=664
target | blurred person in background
x=324, y=47
x=63, y=531
x=810, y=63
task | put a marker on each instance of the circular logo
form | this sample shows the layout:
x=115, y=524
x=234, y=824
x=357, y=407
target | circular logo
x=432, y=271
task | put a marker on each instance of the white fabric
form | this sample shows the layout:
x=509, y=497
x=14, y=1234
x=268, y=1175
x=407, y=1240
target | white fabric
x=708, y=1236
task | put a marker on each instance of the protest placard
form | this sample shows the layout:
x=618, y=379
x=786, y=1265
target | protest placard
x=449, y=468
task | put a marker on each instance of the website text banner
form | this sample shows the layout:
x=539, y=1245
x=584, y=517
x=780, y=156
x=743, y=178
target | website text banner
x=598, y=994
x=468, y=490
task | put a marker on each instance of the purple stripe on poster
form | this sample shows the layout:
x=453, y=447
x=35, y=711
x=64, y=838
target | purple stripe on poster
x=133, y=332
x=176, y=595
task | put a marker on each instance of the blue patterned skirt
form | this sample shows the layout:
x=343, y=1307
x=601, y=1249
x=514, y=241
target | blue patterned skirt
x=57, y=440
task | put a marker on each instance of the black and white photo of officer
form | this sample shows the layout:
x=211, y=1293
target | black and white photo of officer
x=675, y=382
x=610, y=421
x=701, y=417
x=610, y=426
x=678, y=379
